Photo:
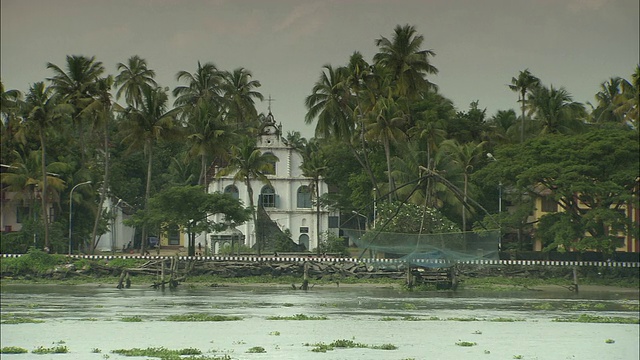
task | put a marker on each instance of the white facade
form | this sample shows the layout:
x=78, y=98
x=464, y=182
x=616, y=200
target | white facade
x=287, y=199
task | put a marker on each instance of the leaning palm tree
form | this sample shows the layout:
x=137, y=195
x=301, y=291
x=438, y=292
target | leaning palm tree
x=405, y=61
x=134, y=76
x=44, y=110
x=239, y=92
x=524, y=83
x=247, y=163
x=144, y=126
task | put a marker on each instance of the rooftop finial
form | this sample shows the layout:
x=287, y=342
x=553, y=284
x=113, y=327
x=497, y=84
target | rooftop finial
x=270, y=99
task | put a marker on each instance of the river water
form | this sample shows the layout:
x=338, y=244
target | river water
x=423, y=325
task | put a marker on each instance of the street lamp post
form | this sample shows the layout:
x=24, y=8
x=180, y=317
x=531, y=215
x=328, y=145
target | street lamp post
x=71, y=210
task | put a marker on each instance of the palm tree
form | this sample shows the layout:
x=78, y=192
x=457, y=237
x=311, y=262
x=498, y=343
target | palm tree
x=504, y=127
x=385, y=125
x=407, y=64
x=330, y=103
x=628, y=102
x=202, y=85
x=524, y=83
x=555, y=110
x=246, y=163
x=77, y=86
x=100, y=110
x=134, y=76
x=465, y=157
x=43, y=110
x=606, y=98
x=314, y=165
x=10, y=122
x=207, y=136
x=239, y=94
x=143, y=127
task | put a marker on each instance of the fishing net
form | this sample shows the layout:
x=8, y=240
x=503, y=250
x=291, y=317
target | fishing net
x=426, y=250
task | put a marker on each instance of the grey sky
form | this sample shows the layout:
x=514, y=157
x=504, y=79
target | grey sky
x=480, y=44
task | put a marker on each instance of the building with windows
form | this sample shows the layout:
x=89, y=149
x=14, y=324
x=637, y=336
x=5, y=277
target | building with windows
x=287, y=199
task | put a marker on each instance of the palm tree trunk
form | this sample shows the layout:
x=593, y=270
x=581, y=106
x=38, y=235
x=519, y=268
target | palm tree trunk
x=317, y=192
x=253, y=214
x=522, y=127
x=45, y=216
x=143, y=241
x=387, y=153
x=103, y=190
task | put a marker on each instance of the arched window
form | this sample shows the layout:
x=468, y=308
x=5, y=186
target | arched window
x=233, y=191
x=268, y=197
x=272, y=170
x=304, y=240
x=304, y=197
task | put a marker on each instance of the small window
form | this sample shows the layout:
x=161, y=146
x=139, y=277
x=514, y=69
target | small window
x=549, y=205
x=233, y=191
x=304, y=197
x=304, y=230
x=272, y=168
x=268, y=197
x=334, y=222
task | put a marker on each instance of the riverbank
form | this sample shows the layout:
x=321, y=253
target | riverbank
x=39, y=268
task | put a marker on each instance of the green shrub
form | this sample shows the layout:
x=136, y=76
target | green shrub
x=13, y=350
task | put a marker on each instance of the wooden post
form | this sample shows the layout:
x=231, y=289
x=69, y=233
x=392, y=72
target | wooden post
x=409, y=277
x=575, y=278
x=305, y=280
x=454, y=277
x=162, y=275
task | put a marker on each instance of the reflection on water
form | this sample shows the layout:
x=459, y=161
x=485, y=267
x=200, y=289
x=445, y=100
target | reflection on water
x=89, y=317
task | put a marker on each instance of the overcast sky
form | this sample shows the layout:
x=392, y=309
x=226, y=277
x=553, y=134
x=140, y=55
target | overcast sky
x=479, y=44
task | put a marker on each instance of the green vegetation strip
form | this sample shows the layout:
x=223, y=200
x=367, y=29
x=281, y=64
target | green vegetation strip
x=348, y=344
x=21, y=320
x=61, y=349
x=586, y=318
x=159, y=352
x=298, y=317
x=13, y=350
x=201, y=317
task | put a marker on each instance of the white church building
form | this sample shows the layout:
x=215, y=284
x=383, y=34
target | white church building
x=287, y=199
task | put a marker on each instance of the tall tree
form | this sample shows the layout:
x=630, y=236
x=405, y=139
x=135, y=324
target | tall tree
x=628, y=102
x=143, y=127
x=465, y=157
x=43, y=110
x=133, y=78
x=404, y=59
x=385, y=125
x=77, y=86
x=101, y=110
x=247, y=163
x=202, y=85
x=314, y=165
x=329, y=102
x=524, y=83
